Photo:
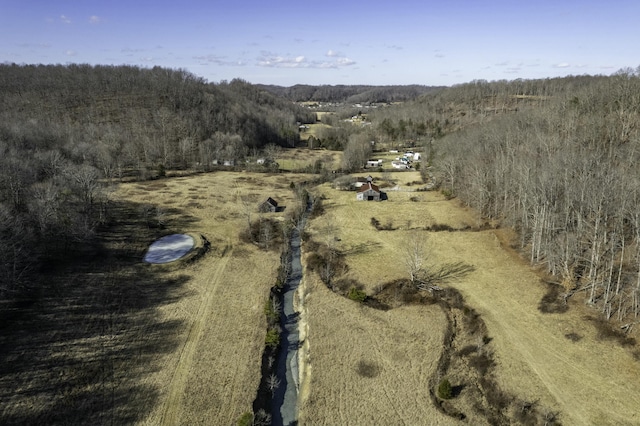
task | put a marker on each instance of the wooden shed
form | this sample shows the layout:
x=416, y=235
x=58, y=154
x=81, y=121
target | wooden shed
x=368, y=192
x=270, y=205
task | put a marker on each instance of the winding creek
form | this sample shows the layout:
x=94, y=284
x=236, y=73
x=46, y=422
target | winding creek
x=284, y=409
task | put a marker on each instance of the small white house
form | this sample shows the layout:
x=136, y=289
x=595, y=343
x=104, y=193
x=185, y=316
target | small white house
x=374, y=163
x=412, y=155
x=399, y=165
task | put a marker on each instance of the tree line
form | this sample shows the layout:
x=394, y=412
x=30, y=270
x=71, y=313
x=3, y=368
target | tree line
x=557, y=160
x=350, y=93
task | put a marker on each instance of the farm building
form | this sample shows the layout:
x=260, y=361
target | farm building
x=362, y=181
x=270, y=205
x=412, y=156
x=368, y=192
x=374, y=163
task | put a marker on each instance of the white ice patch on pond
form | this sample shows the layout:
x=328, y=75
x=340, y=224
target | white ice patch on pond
x=169, y=248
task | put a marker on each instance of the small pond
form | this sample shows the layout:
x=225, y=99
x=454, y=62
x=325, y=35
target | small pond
x=169, y=248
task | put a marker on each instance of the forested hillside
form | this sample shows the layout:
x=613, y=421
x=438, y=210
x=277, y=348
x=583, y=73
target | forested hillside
x=67, y=130
x=349, y=93
x=558, y=161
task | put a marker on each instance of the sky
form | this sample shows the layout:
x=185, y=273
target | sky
x=284, y=42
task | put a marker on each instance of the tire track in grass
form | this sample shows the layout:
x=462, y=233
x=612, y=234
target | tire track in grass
x=177, y=387
x=385, y=388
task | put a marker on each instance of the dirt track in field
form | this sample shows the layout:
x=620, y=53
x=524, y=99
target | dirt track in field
x=173, y=405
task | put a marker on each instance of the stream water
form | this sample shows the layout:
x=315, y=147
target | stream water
x=284, y=408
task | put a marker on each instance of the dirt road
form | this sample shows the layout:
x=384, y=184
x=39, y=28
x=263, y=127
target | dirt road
x=173, y=405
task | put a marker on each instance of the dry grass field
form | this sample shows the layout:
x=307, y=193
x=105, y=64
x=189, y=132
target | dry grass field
x=365, y=366
x=313, y=128
x=305, y=159
x=111, y=340
x=132, y=343
x=371, y=367
x=212, y=376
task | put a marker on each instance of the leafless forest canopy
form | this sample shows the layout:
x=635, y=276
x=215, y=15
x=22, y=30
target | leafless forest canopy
x=349, y=94
x=66, y=131
x=556, y=159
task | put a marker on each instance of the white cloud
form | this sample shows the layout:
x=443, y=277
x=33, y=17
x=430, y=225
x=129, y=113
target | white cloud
x=439, y=55
x=64, y=19
x=272, y=60
x=345, y=62
x=147, y=59
x=562, y=65
x=276, y=61
x=333, y=53
x=93, y=19
x=70, y=53
x=218, y=60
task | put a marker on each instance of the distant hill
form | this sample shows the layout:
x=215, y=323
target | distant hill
x=349, y=93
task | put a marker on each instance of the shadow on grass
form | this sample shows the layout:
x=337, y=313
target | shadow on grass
x=553, y=302
x=81, y=346
x=447, y=272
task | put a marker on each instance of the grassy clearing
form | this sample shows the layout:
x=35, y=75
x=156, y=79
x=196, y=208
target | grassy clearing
x=321, y=114
x=307, y=159
x=313, y=130
x=369, y=366
x=588, y=380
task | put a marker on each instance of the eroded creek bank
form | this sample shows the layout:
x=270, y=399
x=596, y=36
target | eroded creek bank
x=277, y=399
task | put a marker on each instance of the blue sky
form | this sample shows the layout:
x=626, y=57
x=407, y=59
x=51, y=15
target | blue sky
x=329, y=42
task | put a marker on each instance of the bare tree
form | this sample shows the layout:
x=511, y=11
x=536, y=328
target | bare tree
x=415, y=256
x=44, y=204
x=262, y=418
x=356, y=152
x=273, y=383
x=272, y=151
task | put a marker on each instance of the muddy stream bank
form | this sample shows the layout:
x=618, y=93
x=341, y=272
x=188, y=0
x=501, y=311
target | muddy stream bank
x=278, y=393
x=284, y=405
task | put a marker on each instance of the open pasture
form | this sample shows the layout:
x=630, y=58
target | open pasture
x=555, y=360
